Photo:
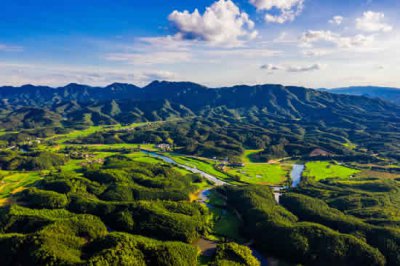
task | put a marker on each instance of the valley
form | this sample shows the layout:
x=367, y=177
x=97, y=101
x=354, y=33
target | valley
x=244, y=182
x=199, y=133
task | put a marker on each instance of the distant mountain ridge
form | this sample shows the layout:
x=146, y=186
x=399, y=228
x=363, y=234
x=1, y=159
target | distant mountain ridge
x=286, y=114
x=385, y=93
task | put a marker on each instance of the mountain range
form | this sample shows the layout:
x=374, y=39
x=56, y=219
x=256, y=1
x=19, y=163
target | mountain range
x=286, y=114
x=384, y=93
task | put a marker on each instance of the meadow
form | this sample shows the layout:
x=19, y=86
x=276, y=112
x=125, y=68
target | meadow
x=201, y=164
x=261, y=173
x=324, y=170
x=247, y=156
x=14, y=182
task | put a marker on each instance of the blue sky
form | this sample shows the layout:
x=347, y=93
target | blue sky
x=295, y=42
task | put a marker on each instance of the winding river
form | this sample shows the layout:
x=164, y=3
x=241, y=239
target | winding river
x=208, y=245
x=296, y=174
x=207, y=176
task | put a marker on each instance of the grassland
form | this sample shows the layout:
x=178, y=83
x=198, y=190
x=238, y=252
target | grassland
x=13, y=182
x=247, y=156
x=203, y=165
x=324, y=170
x=261, y=173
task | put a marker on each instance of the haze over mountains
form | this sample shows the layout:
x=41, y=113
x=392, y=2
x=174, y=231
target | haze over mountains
x=384, y=93
x=45, y=95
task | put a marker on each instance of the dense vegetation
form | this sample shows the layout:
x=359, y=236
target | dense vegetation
x=65, y=200
x=234, y=254
x=277, y=231
x=384, y=93
x=280, y=120
x=10, y=160
x=95, y=219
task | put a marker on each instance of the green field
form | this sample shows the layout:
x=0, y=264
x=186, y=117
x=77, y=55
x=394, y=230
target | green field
x=246, y=158
x=13, y=182
x=261, y=173
x=323, y=170
x=202, y=165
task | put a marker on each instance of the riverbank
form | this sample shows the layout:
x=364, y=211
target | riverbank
x=226, y=224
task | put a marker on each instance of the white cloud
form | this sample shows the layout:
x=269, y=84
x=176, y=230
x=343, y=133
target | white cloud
x=288, y=9
x=311, y=36
x=158, y=75
x=315, y=52
x=223, y=23
x=305, y=68
x=272, y=67
x=336, y=20
x=373, y=22
x=292, y=68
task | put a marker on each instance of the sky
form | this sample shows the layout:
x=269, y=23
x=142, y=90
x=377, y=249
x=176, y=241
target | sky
x=311, y=43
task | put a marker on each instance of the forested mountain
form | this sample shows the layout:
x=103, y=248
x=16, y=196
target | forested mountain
x=288, y=120
x=84, y=182
x=384, y=93
x=117, y=99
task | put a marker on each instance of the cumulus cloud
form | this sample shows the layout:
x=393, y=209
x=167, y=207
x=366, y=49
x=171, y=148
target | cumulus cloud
x=288, y=9
x=373, y=22
x=311, y=36
x=336, y=20
x=222, y=23
x=292, y=68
